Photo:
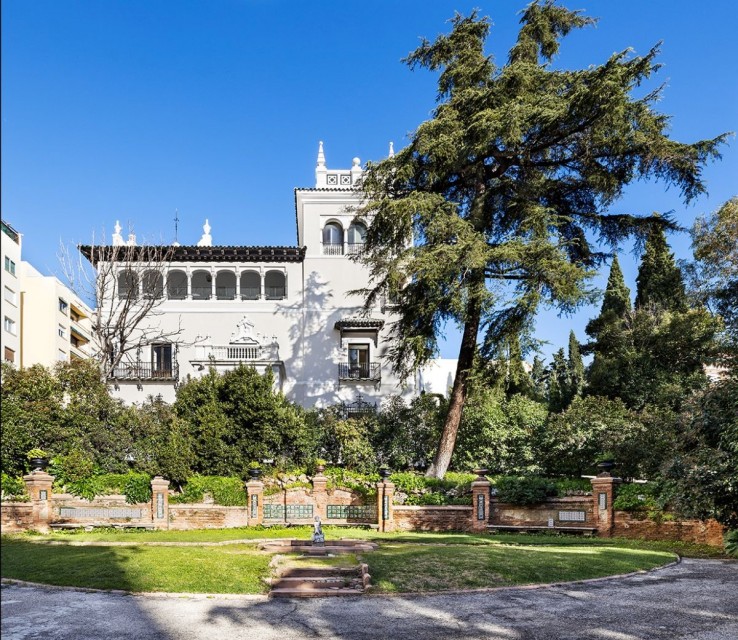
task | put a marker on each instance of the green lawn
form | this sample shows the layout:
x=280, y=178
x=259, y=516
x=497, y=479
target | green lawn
x=410, y=567
x=404, y=561
x=234, y=568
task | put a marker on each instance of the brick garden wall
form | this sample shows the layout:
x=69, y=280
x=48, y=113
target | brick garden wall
x=627, y=525
x=433, y=518
x=16, y=516
x=206, y=516
x=538, y=515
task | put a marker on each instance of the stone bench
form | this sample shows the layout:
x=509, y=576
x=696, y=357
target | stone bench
x=89, y=526
x=587, y=531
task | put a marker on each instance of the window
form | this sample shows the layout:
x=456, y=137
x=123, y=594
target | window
x=333, y=239
x=275, y=285
x=10, y=296
x=225, y=285
x=250, y=285
x=9, y=355
x=9, y=325
x=153, y=285
x=358, y=355
x=63, y=306
x=177, y=285
x=202, y=287
x=127, y=285
x=61, y=355
x=76, y=342
x=9, y=266
x=161, y=360
x=74, y=315
x=356, y=237
x=62, y=331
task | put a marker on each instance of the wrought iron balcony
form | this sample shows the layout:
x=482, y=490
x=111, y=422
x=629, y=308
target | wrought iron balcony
x=366, y=371
x=333, y=249
x=144, y=371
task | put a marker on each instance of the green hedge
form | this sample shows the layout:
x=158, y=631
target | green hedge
x=226, y=491
x=13, y=489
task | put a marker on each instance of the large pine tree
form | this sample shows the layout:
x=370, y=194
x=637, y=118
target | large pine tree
x=500, y=200
x=660, y=282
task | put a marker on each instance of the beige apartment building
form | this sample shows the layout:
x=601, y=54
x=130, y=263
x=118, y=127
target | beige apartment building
x=44, y=322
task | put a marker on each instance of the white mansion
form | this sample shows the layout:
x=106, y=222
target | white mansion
x=284, y=308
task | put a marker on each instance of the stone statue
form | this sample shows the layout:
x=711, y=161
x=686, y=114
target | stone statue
x=318, y=536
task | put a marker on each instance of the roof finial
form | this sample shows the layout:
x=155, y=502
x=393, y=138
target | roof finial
x=117, y=238
x=176, y=228
x=207, y=239
x=391, y=150
x=321, y=155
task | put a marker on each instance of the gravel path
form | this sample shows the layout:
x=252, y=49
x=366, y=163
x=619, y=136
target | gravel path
x=696, y=599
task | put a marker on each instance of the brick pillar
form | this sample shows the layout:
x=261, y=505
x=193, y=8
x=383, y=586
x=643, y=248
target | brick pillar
x=320, y=495
x=38, y=485
x=160, y=502
x=385, y=507
x=603, y=494
x=255, y=501
x=480, y=501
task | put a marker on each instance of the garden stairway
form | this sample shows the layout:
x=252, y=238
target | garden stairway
x=319, y=581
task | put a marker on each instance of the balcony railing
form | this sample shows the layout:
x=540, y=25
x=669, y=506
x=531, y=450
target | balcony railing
x=366, y=371
x=354, y=248
x=250, y=293
x=225, y=293
x=333, y=249
x=202, y=293
x=237, y=353
x=144, y=371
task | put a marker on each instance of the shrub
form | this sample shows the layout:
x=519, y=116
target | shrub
x=226, y=491
x=524, y=490
x=137, y=488
x=13, y=489
x=636, y=498
x=731, y=543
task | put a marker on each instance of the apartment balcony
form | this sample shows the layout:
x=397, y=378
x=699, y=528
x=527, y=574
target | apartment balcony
x=366, y=371
x=333, y=249
x=144, y=371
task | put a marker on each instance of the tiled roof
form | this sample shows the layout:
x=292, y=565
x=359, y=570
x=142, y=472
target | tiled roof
x=359, y=323
x=96, y=254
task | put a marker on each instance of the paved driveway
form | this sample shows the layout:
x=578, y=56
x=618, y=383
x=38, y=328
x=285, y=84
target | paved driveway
x=697, y=599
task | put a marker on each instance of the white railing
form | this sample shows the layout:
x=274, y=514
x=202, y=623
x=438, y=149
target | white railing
x=237, y=352
x=333, y=249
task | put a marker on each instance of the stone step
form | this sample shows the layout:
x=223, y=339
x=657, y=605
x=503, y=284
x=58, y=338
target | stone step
x=308, y=584
x=319, y=572
x=313, y=593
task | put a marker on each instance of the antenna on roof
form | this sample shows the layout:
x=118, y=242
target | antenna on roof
x=176, y=227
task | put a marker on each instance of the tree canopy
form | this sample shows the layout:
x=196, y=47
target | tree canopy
x=502, y=200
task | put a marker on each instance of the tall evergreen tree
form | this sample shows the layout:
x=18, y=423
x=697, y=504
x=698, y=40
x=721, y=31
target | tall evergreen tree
x=539, y=377
x=575, y=369
x=660, y=282
x=612, y=342
x=558, y=383
x=492, y=208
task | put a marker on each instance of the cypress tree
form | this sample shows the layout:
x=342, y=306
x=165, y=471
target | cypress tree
x=558, y=383
x=575, y=367
x=611, y=340
x=659, y=281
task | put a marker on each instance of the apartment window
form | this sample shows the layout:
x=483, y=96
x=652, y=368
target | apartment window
x=61, y=355
x=161, y=360
x=9, y=355
x=62, y=331
x=63, y=306
x=76, y=342
x=9, y=266
x=358, y=356
x=9, y=325
x=74, y=315
x=10, y=296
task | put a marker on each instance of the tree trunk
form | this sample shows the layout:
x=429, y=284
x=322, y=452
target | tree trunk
x=458, y=393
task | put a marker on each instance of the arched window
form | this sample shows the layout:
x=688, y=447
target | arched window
x=356, y=237
x=250, y=285
x=202, y=287
x=127, y=285
x=153, y=285
x=225, y=285
x=275, y=285
x=333, y=239
x=177, y=285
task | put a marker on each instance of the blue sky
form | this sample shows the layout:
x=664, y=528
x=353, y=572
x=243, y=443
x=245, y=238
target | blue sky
x=133, y=109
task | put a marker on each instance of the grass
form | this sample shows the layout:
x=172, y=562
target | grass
x=402, y=568
x=404, y=561
x=232, y=569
